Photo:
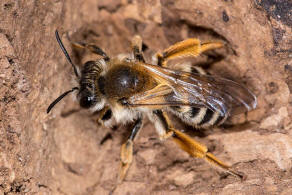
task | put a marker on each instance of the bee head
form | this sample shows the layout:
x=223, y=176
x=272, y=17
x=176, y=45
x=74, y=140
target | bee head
x=88, y=95
x=86, y=99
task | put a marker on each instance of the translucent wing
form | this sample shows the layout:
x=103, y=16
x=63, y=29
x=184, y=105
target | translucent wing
x=183, y=88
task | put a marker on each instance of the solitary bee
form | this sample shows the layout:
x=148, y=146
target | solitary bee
x=127, y=89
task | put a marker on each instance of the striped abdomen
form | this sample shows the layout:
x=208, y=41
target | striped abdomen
x=200, y=117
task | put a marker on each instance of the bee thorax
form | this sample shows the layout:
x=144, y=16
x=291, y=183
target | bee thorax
x=124, y=115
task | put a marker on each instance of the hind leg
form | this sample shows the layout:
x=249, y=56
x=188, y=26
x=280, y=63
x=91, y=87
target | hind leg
x=186, y=48
x=186, y=143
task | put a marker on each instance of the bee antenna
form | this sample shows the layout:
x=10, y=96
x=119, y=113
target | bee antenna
x=66, y=54
x=60, y=98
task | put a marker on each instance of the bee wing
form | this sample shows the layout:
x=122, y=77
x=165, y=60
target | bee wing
x=177, y=88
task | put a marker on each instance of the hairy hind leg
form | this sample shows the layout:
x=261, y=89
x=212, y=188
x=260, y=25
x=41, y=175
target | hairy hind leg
x=187, y=48
x=188, y=144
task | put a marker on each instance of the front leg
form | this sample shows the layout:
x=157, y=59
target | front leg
x=104, y=115
x=92, y=48
x=127, y=150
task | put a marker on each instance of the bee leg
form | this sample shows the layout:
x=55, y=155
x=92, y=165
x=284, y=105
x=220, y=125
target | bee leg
x=137, y=48
x=127, y=150
x=186, y=48
x=92, y=48
x=186, y=143
x=195, y=149
x=162, y=124
x=104, y=115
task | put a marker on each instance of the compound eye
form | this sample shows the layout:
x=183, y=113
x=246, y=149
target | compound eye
x=87, y=101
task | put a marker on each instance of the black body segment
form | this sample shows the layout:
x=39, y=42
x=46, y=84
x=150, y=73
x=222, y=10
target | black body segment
x=88, y=86
x=124, y=81
x=194, y=112
x=207, y=117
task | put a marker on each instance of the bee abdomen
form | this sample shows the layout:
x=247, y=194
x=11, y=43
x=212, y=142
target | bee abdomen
x=198, y=117
x=211, y=118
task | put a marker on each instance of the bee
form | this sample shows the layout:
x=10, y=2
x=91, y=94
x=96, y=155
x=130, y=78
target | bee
x=126, y=89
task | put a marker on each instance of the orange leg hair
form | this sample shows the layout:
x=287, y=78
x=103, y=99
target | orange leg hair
x=188, y=144
x=187, y=48
x=127, y=150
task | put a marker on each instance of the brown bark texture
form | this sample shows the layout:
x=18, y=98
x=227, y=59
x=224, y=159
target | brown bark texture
x=67, y=152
